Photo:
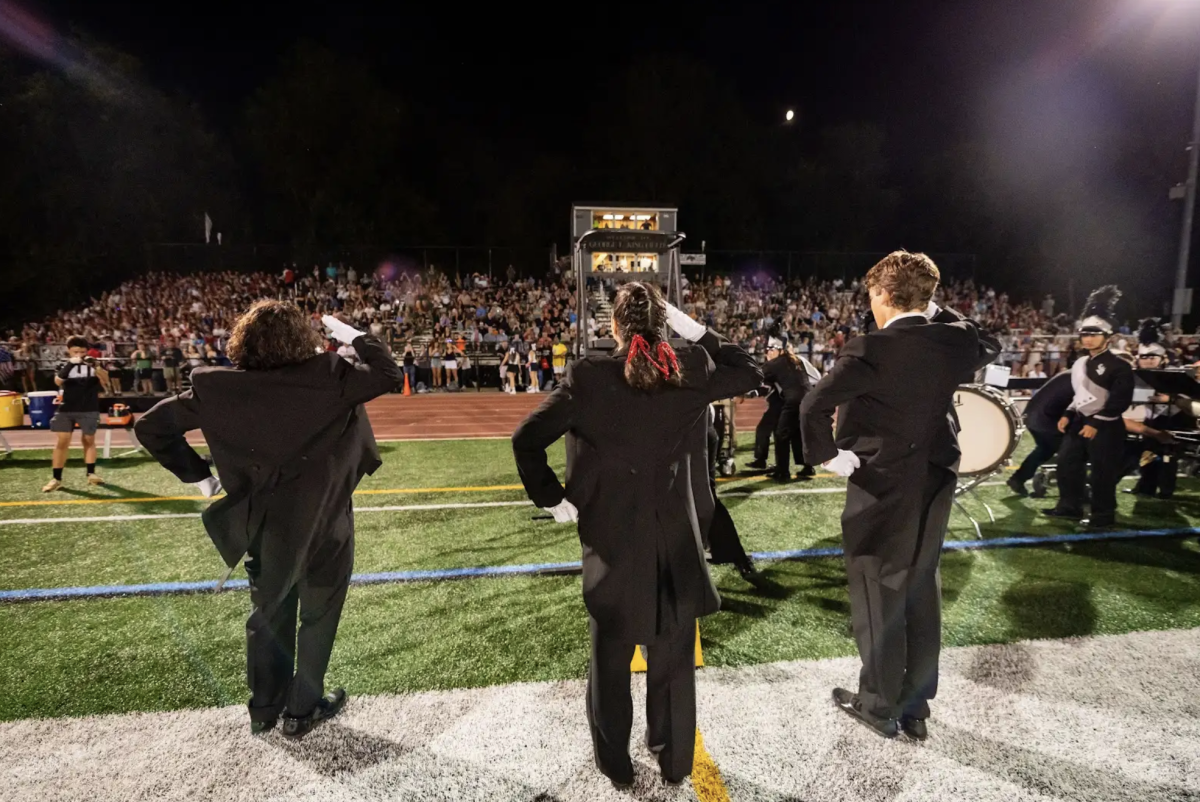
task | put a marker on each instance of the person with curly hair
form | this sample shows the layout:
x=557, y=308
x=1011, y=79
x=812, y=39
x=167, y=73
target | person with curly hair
x=291, y=441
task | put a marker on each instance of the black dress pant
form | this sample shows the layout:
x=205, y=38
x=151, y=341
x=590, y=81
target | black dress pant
x=788, y=441
x=1159, y=476
x=670, y=700
x=286, y=670
x=1106, y=453
x=1045, y=446
x=897, y=616
x=766, y=427
x=723, y=541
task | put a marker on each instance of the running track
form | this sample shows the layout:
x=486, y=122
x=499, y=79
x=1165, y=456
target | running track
x=444, y=416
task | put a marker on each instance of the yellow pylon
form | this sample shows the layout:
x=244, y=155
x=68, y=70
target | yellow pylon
x=638, y=664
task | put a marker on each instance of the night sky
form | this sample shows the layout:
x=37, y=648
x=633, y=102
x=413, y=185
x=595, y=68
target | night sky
x=1084, y=106
x=928, y=71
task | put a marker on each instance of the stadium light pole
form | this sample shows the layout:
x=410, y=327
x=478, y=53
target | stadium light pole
x=1189, y=212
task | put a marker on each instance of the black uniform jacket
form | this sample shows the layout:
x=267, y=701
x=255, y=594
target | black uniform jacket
x=946, y=445
x=290, y=446
x=789, y=377
x=894, y=386
x=638, y=474
x=1049, y=404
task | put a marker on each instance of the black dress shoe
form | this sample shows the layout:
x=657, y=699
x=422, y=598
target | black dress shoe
x=748, y=571
x=780, y=476
x=914, y=728
x=1099, y=523
x=1017, y=487
x=328, y=707
x=849, y=702
x=757, y=465
x=261, y=727
x=807, y=472
x=1055, y=512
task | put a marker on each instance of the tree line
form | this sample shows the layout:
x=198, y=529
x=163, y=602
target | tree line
x=98, y=162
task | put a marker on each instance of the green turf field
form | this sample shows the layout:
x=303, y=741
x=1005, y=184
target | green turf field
x=153, y=653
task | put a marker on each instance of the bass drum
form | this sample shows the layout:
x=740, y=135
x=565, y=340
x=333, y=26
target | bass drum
x=989, y=429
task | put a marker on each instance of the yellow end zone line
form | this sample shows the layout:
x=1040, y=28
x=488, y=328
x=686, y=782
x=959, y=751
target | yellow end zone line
x=706, y=777
x=398, y=491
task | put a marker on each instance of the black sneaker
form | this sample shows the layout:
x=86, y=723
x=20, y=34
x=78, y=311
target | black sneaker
x=298, y=726
x=1017, y=487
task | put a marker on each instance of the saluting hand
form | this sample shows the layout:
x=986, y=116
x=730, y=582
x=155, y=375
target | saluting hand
x=343, y=332
x=683, y=325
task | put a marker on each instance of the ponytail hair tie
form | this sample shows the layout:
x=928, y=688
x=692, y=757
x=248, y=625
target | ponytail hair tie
x=666, y=361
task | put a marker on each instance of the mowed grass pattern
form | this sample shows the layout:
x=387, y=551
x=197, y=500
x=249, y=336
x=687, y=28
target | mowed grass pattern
x=117, y=655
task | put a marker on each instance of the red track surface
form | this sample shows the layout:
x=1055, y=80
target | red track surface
x=444, y=416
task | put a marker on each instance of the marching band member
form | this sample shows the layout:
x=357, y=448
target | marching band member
x=1153, y=453
x=291, y=440
x=893, y=441
x=788, y=374
x=1093, y=428
x=636, y=423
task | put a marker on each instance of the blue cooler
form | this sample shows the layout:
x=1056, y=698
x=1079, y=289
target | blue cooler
x=41, y=408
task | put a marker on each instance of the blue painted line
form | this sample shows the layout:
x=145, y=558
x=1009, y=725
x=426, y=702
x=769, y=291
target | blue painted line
x=994, y=543
x=543, y=569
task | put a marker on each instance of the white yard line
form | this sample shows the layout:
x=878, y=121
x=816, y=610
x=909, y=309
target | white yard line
x=1102, y=719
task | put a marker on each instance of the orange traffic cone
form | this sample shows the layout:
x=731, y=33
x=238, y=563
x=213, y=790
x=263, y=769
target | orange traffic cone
x=407, y=388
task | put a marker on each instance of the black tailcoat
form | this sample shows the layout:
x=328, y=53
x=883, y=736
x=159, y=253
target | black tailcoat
x=638, y=474
x=290, y=446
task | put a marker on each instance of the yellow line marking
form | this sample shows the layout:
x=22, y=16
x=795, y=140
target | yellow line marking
x=396, y=491
x=404, y=490
x=706, y=777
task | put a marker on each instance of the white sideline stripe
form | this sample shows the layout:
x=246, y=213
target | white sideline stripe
x=1047, y=720
x=466, y=505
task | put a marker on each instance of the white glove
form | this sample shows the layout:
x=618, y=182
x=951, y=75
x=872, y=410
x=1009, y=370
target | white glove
x=341, y=331
x=683, y=325
x=844, y=464
x=564, y=512
x=209, y=487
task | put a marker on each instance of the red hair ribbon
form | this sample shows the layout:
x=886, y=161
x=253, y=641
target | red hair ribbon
x=666, y=361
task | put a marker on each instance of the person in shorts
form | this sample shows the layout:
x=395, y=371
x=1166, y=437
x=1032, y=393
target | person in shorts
x=450, y=362
x=79, y=380
x=559, y=353
x=172, y=363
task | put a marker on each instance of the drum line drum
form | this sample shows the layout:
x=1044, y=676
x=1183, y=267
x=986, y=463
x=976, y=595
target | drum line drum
x=990, y=427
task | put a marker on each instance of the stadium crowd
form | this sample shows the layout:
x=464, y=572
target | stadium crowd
x=177, y=322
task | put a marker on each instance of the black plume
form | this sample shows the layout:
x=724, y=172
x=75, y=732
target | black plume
x=1103, y=302
x=1150, y=331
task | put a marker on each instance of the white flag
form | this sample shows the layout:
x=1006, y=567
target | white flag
x=207, y=228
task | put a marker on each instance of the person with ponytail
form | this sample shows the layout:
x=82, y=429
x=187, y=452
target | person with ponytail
x=636, y=425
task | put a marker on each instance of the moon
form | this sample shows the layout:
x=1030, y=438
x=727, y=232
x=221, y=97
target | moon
x=790, y=115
